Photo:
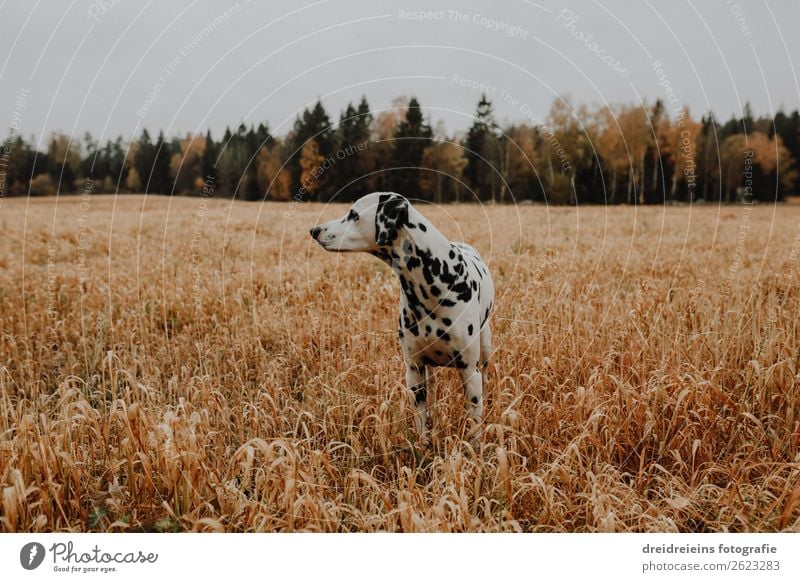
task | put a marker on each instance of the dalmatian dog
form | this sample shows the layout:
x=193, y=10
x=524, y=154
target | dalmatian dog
x=446, y=295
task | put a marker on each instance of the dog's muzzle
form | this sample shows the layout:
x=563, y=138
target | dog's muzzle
x=315, y=232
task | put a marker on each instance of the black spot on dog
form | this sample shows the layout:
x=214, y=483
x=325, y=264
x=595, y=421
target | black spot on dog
x=474, y=399
x=420, y=393
x=390, y=216
x=447, y=303
x=428, y=329
x=447, y=321
x=443, y=335
x=422, y=227
x=486, y=315
x=463, y=290
x=452, y=254
x=446, y=276
x=411, y=297
x=435, y=291
x=458, y=361
x=381, y=254
x=427, y=313
x=469, y=329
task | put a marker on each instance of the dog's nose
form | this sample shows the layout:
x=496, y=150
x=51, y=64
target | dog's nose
x=315, y=232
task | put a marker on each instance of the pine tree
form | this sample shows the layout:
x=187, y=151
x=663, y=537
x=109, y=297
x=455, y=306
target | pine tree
x=210, y=159
x=412, y=137
x=251, y=146
x=365, y=117
x=21, y=168
x=90, y=148
x=116, y=161
x=352, y=137
x=480, y=145
x=226, y=170
x=707, y=147
x=787, y=127
x=161, y=182
x=145, y=158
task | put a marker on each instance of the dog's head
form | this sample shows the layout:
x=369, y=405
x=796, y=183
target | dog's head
x=374, y=221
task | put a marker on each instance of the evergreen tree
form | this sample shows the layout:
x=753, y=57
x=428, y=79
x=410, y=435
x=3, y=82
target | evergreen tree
x=787, y=127
x=227, y=175
x=480, y=145
x=412, y=137
x=90, y=156
x=263, y=137
x=144, y=162
x=116, y=161
x=254, y=140
x=365, y=117
x=161, y=181
x=210, y=159
x=22, y=163
x=747, y=119
x=352, y=136
x=707, y=147
x=101, y=164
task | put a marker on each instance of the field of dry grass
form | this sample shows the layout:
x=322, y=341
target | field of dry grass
x=202, y=365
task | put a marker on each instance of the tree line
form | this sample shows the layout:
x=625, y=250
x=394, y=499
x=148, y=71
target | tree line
x=625, y=153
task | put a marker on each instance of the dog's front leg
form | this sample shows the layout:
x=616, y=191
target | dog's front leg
x=472, y=380
x=417, y=382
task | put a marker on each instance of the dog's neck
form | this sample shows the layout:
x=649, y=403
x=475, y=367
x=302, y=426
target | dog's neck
x=422, y=234
x=419, y=256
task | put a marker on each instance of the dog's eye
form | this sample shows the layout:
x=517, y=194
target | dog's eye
x=352, y=216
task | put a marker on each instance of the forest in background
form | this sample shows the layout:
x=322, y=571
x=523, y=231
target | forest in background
x=620, y=154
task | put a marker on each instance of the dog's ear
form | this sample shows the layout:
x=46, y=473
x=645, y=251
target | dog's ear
x=391, y=216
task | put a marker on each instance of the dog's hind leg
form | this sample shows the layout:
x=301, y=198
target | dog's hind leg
x=486, y=351
x=417, y=382
x=473, y=388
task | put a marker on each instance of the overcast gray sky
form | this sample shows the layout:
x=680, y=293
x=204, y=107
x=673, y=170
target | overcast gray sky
x=113, y=67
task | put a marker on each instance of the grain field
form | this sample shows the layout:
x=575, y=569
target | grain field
x=201, y=365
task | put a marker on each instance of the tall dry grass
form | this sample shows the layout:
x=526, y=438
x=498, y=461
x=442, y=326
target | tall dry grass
x=219, y=371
